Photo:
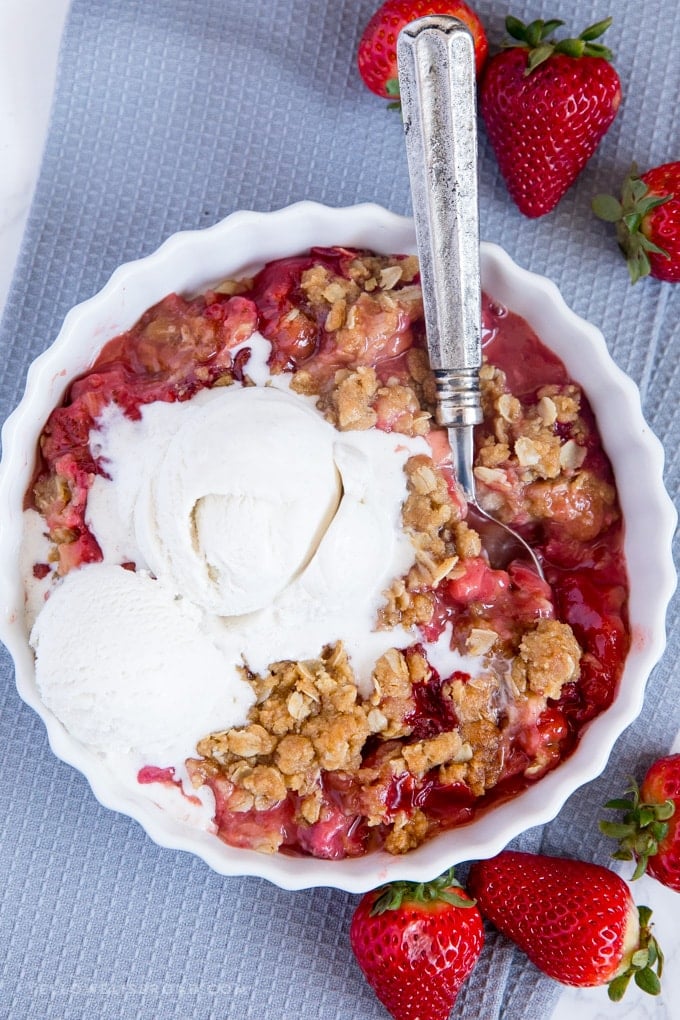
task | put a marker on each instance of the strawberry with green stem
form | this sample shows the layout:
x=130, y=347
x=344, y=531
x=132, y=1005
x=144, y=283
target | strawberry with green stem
x=416, y=943
x=647, y=221
x=649, y=829
x=576, y=921
x=546, y=105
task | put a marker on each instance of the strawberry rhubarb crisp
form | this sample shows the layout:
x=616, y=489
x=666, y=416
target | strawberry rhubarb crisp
x=258, y=584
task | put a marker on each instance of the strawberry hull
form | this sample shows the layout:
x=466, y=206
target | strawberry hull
x=576, y=921
x=662, y=226
x=416, y=945
x=647, y=220
x=662, y=784
x=546, y=119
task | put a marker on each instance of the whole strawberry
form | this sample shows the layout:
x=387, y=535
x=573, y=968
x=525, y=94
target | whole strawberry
x=576, y=921
x=377, y=53
x=647, y=221
x=546, y=106
x=416, y=943
x=649, y=831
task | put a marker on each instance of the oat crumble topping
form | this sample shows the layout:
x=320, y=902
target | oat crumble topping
x=309, y=720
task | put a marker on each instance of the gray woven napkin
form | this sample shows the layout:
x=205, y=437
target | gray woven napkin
x=169, y=115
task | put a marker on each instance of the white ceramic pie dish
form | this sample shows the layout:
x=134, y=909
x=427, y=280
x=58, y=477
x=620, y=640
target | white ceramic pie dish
x=191, y=261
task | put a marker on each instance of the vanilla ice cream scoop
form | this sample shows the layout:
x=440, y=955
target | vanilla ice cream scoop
x=245, y=492
x=126, y=665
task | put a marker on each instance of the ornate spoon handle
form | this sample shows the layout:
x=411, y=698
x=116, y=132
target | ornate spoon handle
x=438, y=97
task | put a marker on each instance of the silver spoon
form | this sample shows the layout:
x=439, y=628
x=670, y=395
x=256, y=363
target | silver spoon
x=437, y=84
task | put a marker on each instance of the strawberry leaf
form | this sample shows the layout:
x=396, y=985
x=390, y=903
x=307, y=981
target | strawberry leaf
x=635, y=228
x=627, y=199
x=515, y=28
x=456, y=901
x=649, y=202
x=632, y=221
x=665, y=810
x=443, y=888
x=638, y=189
x=647, y=813
x=538, y=55
x=648, y=981
x=534, y=33
x=648, y=245
x=617, y=830
x=659, y=831
x=640, y=959
x=598, y=50
x=617, y=987
x=652, y=952
x=640, y=867
x=537, y=38
x=551, y=26
x=644, y=266
x=646, y=963
x=638, y=266
x=571, y=47
x=618, y=803
x=596, y=30
x=609, y=209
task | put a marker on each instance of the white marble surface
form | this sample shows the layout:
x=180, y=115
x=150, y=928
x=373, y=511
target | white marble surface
x=30, y=31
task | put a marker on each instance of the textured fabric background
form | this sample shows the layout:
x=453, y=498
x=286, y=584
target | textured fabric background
x=169, y=115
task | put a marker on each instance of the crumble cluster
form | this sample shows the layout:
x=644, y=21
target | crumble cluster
x=433, y=518
x=358, y=400
x=377, y=299
x=308, y=717
x=532, y=464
